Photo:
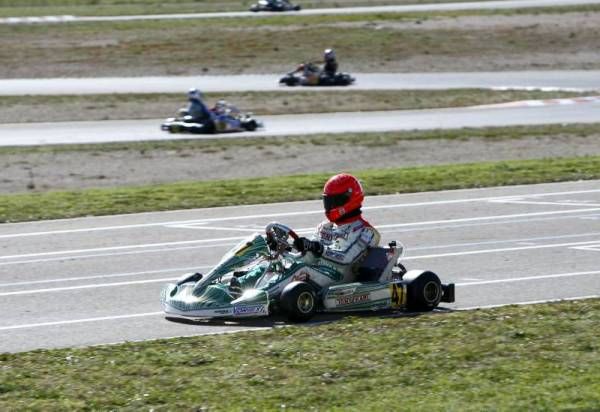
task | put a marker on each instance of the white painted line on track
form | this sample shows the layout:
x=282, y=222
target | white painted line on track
x=480, y=224
x=508, y=249
x=107, y=276
x=287, y=214
x=217, y=228
x=172, y=245
x=527, y=278
x=404, y=8
x=483, y=218
x=591, y=248
x=529, y=241
x=116, y=248
x=74, y=321
x=533, y=202
x=92, y=286
x=531, y=302
x=137, y=252
x=148, y=314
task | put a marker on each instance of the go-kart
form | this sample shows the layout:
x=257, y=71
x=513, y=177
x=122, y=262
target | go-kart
x=271, y=260
x=274, y=5
x=309, y=74
x=225, y=119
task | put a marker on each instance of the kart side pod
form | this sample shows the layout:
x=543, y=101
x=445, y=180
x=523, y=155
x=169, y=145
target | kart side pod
x=418, y=290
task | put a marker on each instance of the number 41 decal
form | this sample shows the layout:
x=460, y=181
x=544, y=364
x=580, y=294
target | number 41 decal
x=398, y=295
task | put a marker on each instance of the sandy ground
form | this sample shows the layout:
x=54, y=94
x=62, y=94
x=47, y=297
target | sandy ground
x=77, y=170
x=464, y=43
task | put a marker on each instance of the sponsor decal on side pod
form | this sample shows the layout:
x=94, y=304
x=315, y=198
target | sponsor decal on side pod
x=398, y=297
x=352, y=299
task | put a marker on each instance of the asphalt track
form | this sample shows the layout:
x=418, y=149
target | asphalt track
x=568, y=80
x=484, y=5
x=516, y=113
x=96, y=280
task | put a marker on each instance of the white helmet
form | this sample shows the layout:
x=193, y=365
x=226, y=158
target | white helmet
x=194, y=93
x=329, y=54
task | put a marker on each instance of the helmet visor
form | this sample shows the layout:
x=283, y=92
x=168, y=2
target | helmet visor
x=334, y=201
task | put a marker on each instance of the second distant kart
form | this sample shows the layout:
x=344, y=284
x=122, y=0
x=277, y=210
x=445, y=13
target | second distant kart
x=274, y=5
x=310, y=74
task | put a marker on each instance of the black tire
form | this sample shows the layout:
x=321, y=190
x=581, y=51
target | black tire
x=424, y=290
x=289, y=80
x=250, y=125
x=298, y=301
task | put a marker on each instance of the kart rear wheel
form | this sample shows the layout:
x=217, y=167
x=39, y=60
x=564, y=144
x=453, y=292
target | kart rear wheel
x=424, y=290
x=298, y=301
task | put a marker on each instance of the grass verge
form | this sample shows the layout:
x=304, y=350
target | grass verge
x=18, y=109
x=587, y=130
x=186, y=195
x=538, y=357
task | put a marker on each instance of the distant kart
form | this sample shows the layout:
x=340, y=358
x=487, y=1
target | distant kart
x=274, y=5
x=227, y=120
x=382, y=284
x=309, y=74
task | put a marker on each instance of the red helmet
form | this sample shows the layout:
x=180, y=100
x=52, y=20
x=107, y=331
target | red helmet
x=341, y=195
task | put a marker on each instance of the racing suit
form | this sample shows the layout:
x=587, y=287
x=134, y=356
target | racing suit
x=342, y=248
x=330, y=68
x=198, y=110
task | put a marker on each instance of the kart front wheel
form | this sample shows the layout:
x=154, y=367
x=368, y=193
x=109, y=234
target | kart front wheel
x=298, y=301
x=250, y=125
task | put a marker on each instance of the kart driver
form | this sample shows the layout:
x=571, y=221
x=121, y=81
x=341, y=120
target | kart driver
x=196, y=108
x=330, y=67
x=334, y=251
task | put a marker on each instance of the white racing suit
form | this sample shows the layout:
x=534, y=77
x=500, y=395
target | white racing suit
x=344, y=247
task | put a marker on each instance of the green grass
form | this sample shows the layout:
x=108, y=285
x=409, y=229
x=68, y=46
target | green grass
x=16, y=109
x=526, y=358
x=185, y=195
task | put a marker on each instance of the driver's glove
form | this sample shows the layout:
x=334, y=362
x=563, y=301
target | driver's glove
x=306, y=245
x=271, y=242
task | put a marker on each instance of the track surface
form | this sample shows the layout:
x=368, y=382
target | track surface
x=485, y=5
x=97, y=280
x=575, y=80
x=24, y=134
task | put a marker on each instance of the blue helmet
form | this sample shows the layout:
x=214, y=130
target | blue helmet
x=194, y=93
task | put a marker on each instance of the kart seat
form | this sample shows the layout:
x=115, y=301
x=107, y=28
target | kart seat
x=373, y=265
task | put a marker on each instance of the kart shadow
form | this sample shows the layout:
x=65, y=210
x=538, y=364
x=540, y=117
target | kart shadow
x=320, y=318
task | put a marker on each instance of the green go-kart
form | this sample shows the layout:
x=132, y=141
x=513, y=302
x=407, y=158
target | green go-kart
x=268, y=266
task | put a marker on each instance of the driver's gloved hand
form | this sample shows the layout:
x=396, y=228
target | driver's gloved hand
x=271, y=242
x=306, y=245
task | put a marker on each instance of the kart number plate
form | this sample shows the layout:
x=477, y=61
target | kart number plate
x=398, y=296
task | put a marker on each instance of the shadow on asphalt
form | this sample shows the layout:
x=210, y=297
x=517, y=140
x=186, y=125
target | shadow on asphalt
x=280, y=320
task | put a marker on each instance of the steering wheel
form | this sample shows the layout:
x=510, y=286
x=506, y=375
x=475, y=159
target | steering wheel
x=277, y=237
